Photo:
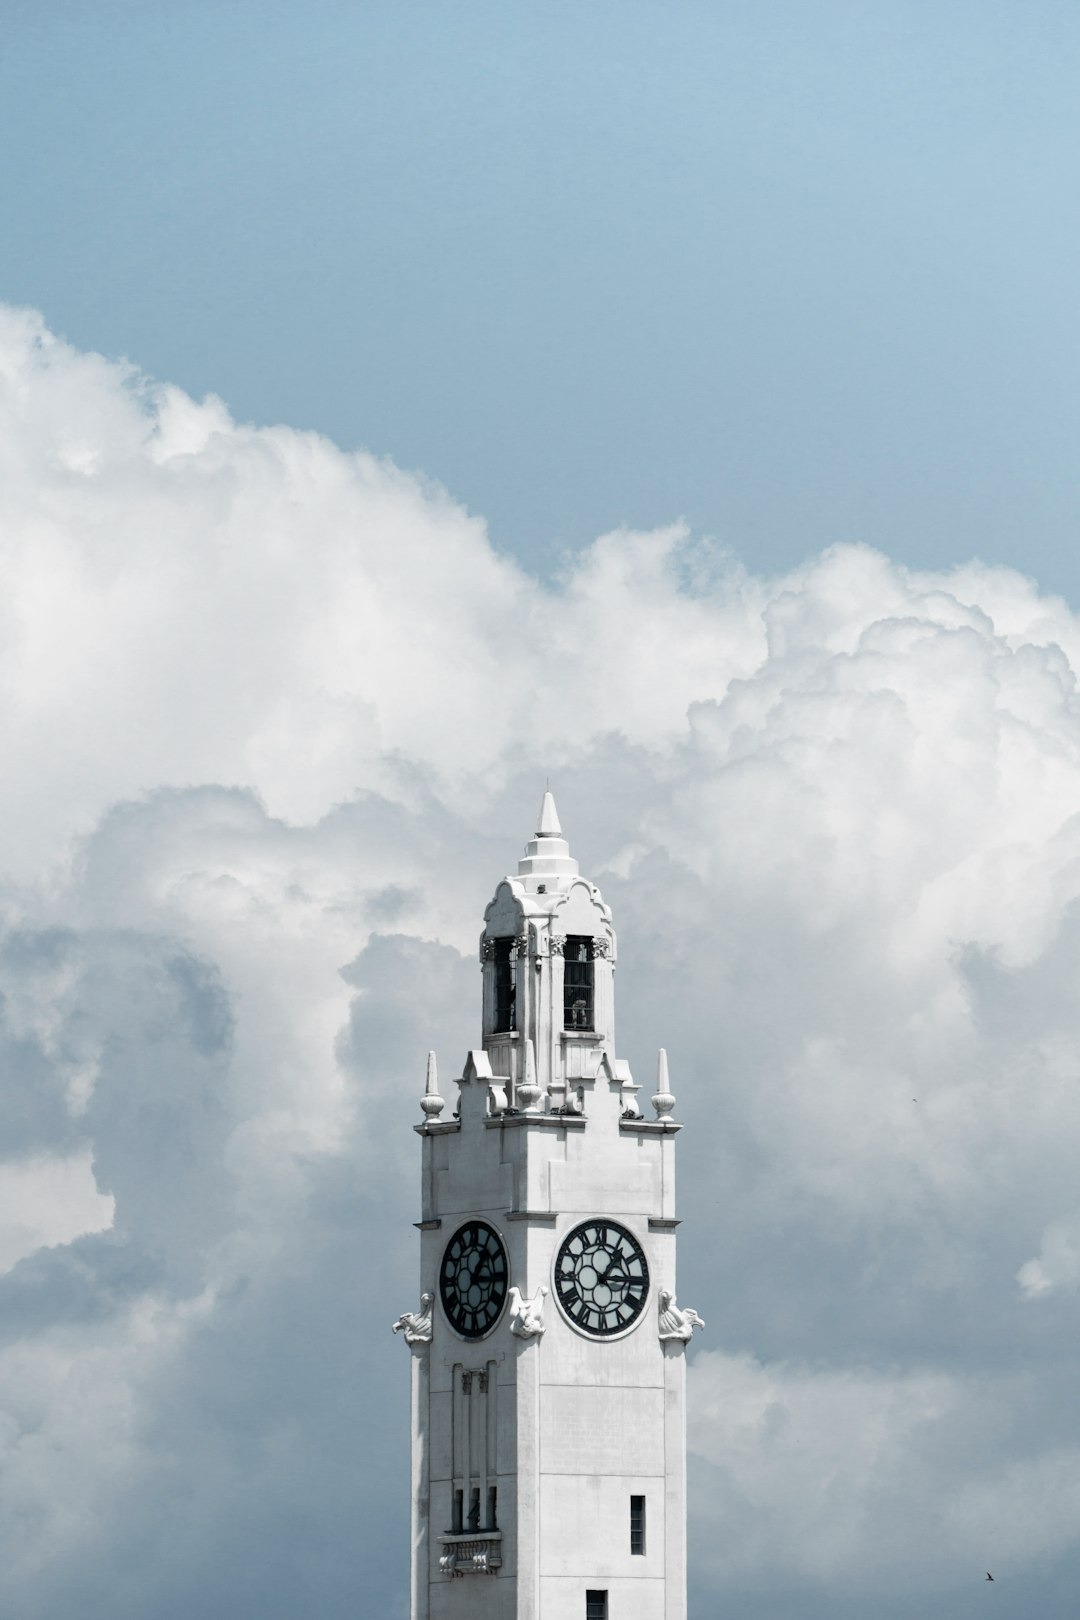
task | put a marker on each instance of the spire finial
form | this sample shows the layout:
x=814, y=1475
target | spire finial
x=547, y=854
x=528, y=1091
x=663, y=1101
x=548, y=825
x=431, y=1103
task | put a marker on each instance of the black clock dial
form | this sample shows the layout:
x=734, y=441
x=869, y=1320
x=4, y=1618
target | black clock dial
x=601, y=1277
x=472, y=1279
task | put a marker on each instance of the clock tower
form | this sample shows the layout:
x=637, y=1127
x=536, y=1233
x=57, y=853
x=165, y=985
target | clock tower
x=548, y=1372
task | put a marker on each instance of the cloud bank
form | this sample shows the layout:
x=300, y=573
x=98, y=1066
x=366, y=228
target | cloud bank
x=274, y=719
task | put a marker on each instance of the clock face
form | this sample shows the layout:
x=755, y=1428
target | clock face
x=601, y=1277
x=472, y=1279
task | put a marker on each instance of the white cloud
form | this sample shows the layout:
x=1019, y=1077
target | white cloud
x=274, y=720
x=1057, y=1265
x=46, y=1200
x=845, y=1477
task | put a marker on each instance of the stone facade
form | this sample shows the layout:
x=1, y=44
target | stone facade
x=548, y=1377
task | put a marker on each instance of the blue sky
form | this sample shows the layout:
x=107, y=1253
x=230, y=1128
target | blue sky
x=798, y=273
x=302, y=602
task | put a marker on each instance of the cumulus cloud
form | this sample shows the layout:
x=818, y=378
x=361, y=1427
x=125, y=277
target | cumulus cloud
x=1057, y=1264
x=275, y=719
x=803, y=1471
x=48, y=1200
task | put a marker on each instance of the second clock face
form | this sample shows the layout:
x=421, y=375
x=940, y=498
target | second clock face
x=472, y=1279
x=601, y=1277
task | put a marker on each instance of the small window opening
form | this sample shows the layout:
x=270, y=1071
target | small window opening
x=577, y=982
x=493, y=1504
x=637, y=1524
x=456, y=1525
x=596, y=1606
x=474, y=1508
x=505, y=986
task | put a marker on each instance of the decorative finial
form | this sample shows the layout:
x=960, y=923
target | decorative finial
x=663, y=1101
x=548, y=825
x=528, y=1092
x=431, y=1103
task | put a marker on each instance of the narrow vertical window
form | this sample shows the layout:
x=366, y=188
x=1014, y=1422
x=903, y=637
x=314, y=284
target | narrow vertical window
x=637, y=1524
x=596, y=1606
x=505, y=987
x=456, y=1524
x=577, y=982
x=493, y=1508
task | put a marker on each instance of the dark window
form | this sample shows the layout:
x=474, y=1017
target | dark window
x=577, y=982
x=637, y=1524
x=596, y=1606
x=456, y=1524
x=493, y=1505
x=505, y=987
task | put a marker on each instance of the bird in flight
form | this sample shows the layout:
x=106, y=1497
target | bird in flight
x=989, y=1576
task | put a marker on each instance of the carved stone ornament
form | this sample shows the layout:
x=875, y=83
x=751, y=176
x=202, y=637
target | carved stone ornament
x=601, y=949
x=556, y=944
x=527, y=1315
x=416, y=1325
x=676, y=1323
x=521, y=946
x=487, y=950
x=472, y=1555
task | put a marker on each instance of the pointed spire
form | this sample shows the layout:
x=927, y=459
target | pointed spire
x=547, y=854
x=431, y=1103
x=548, y=825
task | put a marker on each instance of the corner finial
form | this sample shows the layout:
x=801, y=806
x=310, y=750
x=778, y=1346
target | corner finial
x=431, y=1103
x=663, y=1101
x=528, y=1092
x=548, y=825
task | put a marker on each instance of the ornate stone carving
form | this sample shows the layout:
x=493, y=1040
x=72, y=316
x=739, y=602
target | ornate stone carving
x=556, y=944
x=527, y=1315
x=487, y=950
x=601, y=949
x=471, y=1555
x=676, y=1323
x=521, y=946
x=416, y=1325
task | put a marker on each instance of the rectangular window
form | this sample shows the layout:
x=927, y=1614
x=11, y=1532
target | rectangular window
x=456, y=1521
x=596, y=1606
x=505, y=986
x=577, y=982
x=493, y=1508
x=637, y=1524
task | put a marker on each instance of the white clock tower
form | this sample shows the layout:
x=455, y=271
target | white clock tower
x=548, y=1374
